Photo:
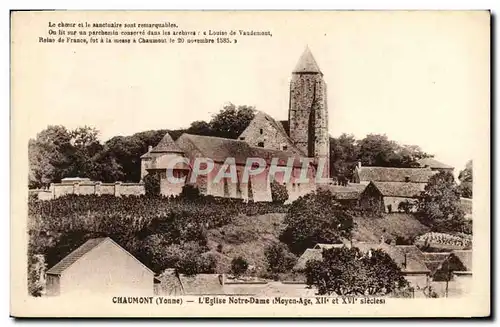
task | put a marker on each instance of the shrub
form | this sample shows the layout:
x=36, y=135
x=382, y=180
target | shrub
x=279, y=258
x=279, y=194
x=239, y=266
x=152, y=184
x=190, y=192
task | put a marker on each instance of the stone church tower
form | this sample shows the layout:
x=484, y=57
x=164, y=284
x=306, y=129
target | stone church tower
x=308, y=111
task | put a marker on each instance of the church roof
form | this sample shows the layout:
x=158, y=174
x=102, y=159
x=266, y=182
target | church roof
x=166, y=144
x=219, y=149
x=306, y=63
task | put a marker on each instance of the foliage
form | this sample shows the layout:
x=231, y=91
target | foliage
x=190, y=192
x=439, y=205
x=239, y=266
x=406, y=206
x=347, y=271
x=152, y=184
x=315, y=218
x=279, y=258
x=465, y=178
x=142, y=225
x=279, y=193
x=433, y=238
x=36, y=269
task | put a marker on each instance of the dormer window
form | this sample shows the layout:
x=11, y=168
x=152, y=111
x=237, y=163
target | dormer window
x=261, y=131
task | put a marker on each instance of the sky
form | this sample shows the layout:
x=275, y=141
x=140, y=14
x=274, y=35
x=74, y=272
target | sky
x=419, y=77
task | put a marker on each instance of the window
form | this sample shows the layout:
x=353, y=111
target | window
x=242, y=138
x=407, y=179
x=261, y=131
x=261, y=144
x=284, y=147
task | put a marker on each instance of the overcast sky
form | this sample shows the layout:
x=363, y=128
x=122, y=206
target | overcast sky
x=420, y=78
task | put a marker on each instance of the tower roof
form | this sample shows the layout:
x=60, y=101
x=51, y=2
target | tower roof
x=166, y=144
x=307, y=64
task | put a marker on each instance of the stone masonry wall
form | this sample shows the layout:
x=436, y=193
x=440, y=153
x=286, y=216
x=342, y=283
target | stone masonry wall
x=88, y=188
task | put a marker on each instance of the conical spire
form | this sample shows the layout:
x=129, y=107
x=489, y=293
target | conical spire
x=307, y=64
x=166, y=144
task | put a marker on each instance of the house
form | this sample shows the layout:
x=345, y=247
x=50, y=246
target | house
x=434, y=165
x=304, y=134
x=99, y=266
x=392, y=196
x=451, y=272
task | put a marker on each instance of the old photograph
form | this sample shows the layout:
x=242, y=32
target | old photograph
x=259, y=164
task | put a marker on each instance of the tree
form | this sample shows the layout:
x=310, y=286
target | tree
x=465, y=178
x=239, y=266
x=279, y=258
x=315, y=218
x=190, y=192
x=200, y=127
x=152, y=184
x=439, y=205
x=279, y=194
x=231, y=121
x=348, y=271
x=343, y=157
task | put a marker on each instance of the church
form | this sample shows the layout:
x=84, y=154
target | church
x=303, y=135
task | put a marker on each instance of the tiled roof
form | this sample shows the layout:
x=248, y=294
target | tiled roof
x=400, y=189
x=306, y=63
x=166, y=144
x=389, y=174
x=465, y=256
x=71, y=258
x=433, y=163
x=309, y=254
x=218, y=149
x=202, y=284
x=350, y=192
x=170, y=284
x=414, y=259
x=434, y=260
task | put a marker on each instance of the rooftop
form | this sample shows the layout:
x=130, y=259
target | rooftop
x=307, y=64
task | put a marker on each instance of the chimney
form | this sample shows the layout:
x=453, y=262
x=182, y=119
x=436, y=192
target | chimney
x=221, y=279
x=150, y=148
x=359, y=164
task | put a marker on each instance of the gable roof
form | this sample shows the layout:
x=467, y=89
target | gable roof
x=201, y=284
x=434, y=260
x=433, y=163
x=219, y=149
x=309, y=254
x=350, y=192
x=400, y=189
x=465, y=256
x=390, y=174
x=166, y=144
x=81, y=251
x=307, y=64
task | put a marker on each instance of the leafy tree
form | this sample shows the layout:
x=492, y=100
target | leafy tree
x=315, y=218
x=439, y=205
x=344, y=154
x=347, y=271
x=465, y=178
x=279, y=193
x=406, y=206
x=231, y=121
x=279, y=258
x=239, y=266
x=152, y=184
x=200, y=127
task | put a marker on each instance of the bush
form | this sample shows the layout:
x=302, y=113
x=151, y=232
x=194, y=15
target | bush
x=239, y=266
x=316, y=218
x=279, y=194
x=190, y=192
x=279, y=258
x=152, y=184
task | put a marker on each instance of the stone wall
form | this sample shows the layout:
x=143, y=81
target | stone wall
x=88, y=188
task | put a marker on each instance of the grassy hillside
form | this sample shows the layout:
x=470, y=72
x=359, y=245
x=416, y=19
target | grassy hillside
x=248, y=236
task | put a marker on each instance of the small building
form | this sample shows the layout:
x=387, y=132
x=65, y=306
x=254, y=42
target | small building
x=434, y=165
x=100, y=266
x=347, y=195
x=395, y=196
